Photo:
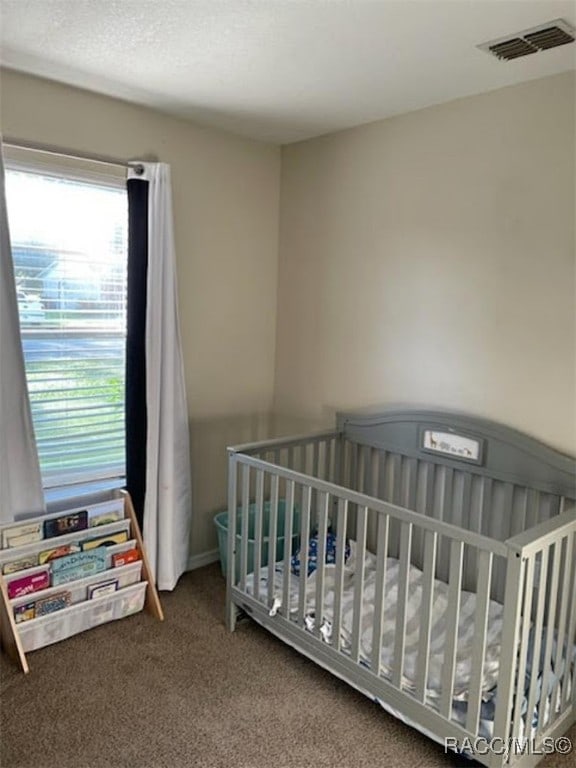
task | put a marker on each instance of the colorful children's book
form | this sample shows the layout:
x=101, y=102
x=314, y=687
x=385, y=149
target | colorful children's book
x=30, y=561
x=24, y=612
x=106, y=541
x=32, y=582
x=67, y=523
x=123, y=558
x=103, y=589
x=19, y=535
x=78, y=566
x=104, y=518
x=53, y=603
x=51, y=554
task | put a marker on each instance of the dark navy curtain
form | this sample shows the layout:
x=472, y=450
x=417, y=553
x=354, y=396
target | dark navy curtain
x=136, y=416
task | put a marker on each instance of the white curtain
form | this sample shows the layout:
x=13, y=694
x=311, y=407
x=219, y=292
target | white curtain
x=168, y=496
x=20, y=480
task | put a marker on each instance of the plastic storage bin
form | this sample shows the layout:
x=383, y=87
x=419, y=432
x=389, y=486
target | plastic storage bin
x=221, y=523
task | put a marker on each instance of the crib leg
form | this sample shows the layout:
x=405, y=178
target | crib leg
x=232, y=612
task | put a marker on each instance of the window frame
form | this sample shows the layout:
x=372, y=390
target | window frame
x=64, y=486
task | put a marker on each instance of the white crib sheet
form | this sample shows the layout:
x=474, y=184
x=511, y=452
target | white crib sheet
x=466, y=627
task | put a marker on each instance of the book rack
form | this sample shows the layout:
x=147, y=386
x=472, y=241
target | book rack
x=77, y=603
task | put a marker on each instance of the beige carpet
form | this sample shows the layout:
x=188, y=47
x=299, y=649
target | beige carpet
x=185, y=693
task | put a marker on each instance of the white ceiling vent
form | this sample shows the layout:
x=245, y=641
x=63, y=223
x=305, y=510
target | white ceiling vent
x=540, y=38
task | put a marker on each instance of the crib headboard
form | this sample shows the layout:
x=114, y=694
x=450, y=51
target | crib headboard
x=464, y=442
x=471, y=472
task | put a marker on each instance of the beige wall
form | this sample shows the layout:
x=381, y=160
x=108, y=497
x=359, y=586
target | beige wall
x=225, y=193
x=430, y=259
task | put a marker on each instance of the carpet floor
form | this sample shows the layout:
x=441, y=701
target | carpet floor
x=186, y=693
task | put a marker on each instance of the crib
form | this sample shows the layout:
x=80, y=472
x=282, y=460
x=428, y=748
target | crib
x=428, y=559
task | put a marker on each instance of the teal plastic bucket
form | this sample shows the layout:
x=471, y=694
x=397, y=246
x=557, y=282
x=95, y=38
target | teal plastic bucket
x=221, y=523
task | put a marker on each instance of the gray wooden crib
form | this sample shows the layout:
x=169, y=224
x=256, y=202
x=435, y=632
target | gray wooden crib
x=428, y=559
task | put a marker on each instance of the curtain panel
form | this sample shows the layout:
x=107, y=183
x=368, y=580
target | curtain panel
x=157, y=444
x=21, y=490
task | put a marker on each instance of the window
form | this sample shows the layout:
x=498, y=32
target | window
x=69, y=243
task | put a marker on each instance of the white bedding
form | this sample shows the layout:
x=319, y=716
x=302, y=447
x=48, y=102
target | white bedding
x=466, y=629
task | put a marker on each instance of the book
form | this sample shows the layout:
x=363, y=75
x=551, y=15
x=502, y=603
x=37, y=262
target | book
x=24, y=612
x=19, y=535
x=105, y=541
x=78, y=565
x=103, y=589
x=66, y=523
x=53, y=603
x=30, y=561
x=104, y=518
x=123, y=558
x=51, y=554
x=24, y=585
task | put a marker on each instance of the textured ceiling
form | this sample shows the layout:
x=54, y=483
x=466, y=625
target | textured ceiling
x=278, y=70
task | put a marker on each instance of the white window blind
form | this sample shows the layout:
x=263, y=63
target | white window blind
x=69, y=245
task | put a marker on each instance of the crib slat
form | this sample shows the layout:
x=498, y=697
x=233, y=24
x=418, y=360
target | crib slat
x=366, y=469
x=323, y=500
x=339, y=580
x=381, y=558
x=447, y=494
x=430, y=541
x=532, y=498
x=403, y=577
x=244, y=526
x=479, y=645
x=382, y=490
x=549, y=638
x=524, y=635
x=506, y=517
x=560, y=648
x=288, y=524
x=452, y=621
x=395, y=493
x=411, y=473
x=571, y=635
x=520, y=505
x=461, y=500
x=304, y=545
x=258, y=531
x=374, y=473
x=361, y=526
x=339, y=460
x=272, y=535
x=315, y=459
x=302, y=459
x=328, y=474
x=429, y=475
x=487, y=493
x=538, y=625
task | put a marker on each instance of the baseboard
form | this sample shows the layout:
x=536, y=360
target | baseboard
x=204, y=558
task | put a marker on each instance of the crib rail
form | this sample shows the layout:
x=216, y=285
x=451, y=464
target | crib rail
x=297, y=491
x=546, y=625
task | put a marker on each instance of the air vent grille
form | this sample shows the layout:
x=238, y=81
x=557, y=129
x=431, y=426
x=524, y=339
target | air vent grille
x=541, y=38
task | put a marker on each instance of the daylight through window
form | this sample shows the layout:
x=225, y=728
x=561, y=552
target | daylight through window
x=69, y=245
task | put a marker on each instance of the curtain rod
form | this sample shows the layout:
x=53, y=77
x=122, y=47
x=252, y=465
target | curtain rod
x=50, y=150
